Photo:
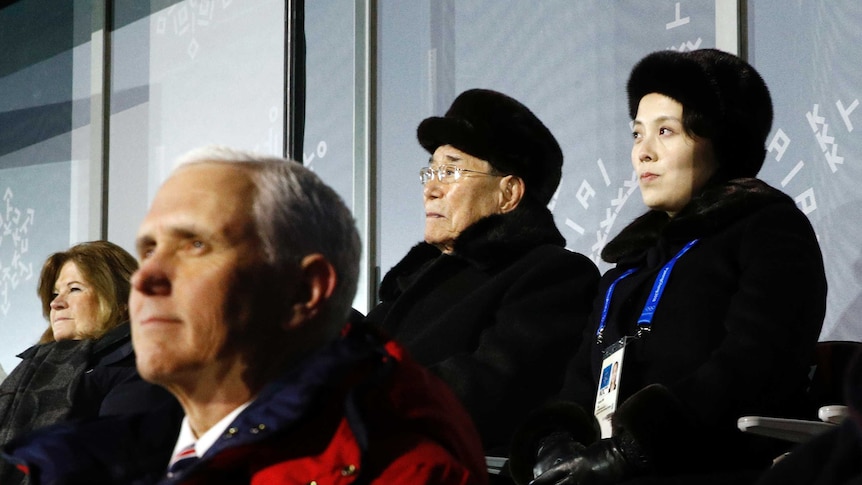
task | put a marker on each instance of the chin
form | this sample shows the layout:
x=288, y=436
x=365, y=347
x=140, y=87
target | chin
x=151, y=374
x=158, y=373
x=434, y=241
x=154, y=366
x=652, y=205
x=656, y=205
x=439, y=245
x=62, y=335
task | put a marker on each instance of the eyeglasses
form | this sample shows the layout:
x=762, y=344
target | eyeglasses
x=447, y=174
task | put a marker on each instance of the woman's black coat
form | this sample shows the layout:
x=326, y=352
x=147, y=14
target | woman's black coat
x=70, y=380
x=733, y=334
x=496, y=319
x=110, y=385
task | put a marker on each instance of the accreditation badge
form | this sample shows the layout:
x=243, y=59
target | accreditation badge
x=609, y=384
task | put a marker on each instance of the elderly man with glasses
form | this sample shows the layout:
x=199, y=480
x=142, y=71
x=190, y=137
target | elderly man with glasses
x=491, y=300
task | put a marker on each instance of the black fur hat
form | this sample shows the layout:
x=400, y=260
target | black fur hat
x=496, y=128
x=723, y=97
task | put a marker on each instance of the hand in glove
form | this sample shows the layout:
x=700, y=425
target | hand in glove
x=554, y=449
x=602, y=463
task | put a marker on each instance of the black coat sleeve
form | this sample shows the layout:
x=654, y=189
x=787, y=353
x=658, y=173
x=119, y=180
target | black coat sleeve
x=520, y=357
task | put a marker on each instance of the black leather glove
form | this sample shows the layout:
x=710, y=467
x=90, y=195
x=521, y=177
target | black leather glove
x=602, y=463
x=556, y=448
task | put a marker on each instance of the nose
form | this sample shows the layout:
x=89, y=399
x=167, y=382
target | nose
x=152, y=277
x=643, y=151
x=58, y=303
x=432, y=189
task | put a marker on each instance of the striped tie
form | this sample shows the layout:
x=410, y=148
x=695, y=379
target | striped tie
x=182, y=460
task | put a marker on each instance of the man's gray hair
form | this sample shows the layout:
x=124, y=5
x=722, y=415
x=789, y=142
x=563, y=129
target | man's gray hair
x=296, y=214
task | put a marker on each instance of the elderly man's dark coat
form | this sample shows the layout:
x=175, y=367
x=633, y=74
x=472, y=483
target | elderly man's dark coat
x=496, y=319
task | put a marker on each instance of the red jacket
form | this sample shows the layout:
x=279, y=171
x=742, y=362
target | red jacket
x=359, y=411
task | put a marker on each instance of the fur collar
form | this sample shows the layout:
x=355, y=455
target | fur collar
x=713, y=210
x=506, y=236
x=492, y=240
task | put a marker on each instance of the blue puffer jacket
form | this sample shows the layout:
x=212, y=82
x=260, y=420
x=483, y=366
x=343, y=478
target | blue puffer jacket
x=358, y=411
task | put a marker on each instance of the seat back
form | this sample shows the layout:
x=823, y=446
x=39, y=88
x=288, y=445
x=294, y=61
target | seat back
x=831, y=361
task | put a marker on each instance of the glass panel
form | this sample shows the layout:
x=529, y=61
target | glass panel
x=328, y=144
x=45, y=119
x=567, y=61
x=335, y=141
x=187, y=74
x=815, y=136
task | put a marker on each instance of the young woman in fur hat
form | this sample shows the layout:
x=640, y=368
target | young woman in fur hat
x=714, y=306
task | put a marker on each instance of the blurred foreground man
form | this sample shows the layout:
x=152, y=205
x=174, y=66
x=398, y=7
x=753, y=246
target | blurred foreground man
x=249, y=266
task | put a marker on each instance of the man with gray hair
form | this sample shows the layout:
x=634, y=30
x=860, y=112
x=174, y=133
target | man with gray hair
x=248, y=268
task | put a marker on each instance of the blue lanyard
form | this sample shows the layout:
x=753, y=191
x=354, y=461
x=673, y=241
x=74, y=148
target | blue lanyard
x=658, y=287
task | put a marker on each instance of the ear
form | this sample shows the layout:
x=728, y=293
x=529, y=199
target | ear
x=316, y=280
x=512, y=190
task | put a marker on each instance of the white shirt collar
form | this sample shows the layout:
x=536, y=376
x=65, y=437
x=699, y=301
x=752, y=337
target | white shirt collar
x=202, y=444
